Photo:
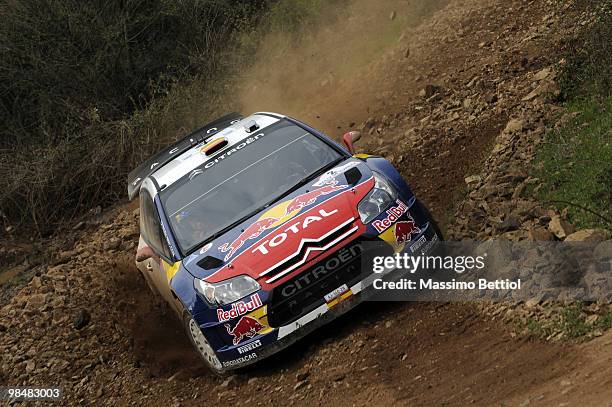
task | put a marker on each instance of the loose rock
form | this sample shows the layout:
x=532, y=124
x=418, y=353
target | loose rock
x=81, y=319
x=587, y=235
x=513, y=126
x=559, y=227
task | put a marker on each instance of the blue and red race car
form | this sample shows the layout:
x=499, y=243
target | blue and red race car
x=252, y=229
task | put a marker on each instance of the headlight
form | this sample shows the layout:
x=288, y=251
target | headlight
x=227, y=291
x=377, y=200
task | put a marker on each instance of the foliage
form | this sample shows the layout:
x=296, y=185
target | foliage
x=575, y=161
x=87, y=88
x=576, y=164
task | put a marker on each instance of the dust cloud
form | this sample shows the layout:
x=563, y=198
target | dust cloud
x=338, y=72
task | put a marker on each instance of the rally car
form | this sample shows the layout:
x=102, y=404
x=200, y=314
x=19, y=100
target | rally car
x=251, y=229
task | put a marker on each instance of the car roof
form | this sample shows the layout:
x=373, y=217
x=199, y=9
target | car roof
x=192, y=158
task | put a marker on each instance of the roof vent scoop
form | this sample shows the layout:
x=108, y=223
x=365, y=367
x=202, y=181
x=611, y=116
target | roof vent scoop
x=251, y=126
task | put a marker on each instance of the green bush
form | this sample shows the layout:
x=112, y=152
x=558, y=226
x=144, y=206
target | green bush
x=89, y=89
x=588, y=70
x=575, y=161
x=62, y=59
x=86, y=88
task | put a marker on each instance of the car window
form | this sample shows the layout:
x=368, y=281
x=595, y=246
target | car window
x=150, y=226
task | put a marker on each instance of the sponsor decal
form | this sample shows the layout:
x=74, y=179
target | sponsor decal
x=332, y=263
x=330, y=176
x=418, y=244
x=239, y=146
x=430, y=244
x=239, y=308
x=240, y=360
x=253, y=231
x=307, y=199
x=168, y=240
x=314, y=246
x=277, y=216
x=393, y=214
x=205, y=248
x=405, y=229
x=293, y=229
x=247, y=327
x=249, y=347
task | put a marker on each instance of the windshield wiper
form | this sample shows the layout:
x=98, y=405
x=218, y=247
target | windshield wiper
x=294, y=188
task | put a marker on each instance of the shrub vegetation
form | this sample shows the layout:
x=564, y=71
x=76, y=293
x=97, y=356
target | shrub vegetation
x=575, y=161
x=89, y=89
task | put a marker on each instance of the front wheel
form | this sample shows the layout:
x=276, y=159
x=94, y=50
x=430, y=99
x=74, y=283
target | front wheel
x=202, y=346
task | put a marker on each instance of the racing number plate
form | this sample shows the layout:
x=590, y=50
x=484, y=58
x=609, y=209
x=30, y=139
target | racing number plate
x=338, y=295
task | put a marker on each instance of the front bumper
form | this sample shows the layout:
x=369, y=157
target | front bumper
x=261, y=346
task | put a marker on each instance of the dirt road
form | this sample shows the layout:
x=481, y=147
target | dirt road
x=432, y=101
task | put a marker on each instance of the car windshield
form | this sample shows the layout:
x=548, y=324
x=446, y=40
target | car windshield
x=252, y=173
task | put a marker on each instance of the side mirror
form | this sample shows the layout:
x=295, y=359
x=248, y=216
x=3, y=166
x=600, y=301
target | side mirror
x=350, y=138
x=145, y=253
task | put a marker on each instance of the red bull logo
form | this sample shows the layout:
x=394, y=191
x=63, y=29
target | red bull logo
x=247, y=327
x=291, y=208
x=393, y=214
x=252, y=232
x=304, y=200
x=405, y=229
x=239, y=308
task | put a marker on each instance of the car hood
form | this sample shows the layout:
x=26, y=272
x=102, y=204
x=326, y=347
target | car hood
x=278, y=240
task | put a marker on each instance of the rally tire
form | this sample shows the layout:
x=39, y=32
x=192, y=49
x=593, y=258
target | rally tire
x=201, y=345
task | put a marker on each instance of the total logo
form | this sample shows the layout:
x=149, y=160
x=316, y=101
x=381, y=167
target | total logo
x=393, y=214
x=293, y=229
x=278, y=215
x=239, y=308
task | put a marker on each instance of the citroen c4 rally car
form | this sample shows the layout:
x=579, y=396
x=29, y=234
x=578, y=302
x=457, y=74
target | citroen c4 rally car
x=251, y=228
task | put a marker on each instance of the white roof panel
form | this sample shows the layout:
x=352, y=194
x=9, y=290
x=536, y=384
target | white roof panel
x=193, y=158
